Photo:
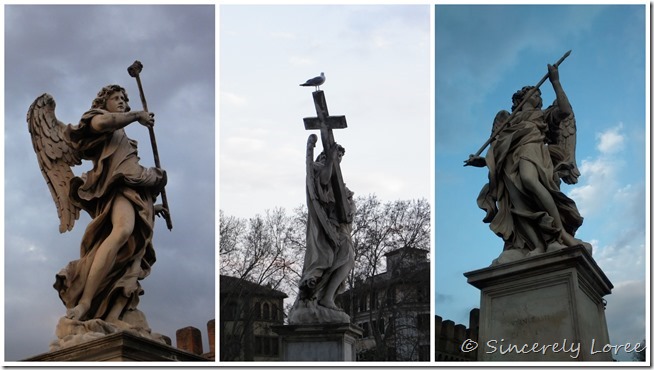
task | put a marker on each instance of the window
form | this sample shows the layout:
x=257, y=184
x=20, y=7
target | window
x=229, y=312
x=273, y=314
x=266, y=311
x=266, y=345
x=257, y=311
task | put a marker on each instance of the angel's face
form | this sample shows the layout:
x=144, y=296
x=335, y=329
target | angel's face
x=116, y=103
x=536, y=100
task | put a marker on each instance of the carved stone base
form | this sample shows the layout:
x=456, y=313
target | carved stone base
x=319, y=342
x=310, y=312
x=74, y=332
x=122, y=346
x=543, y=308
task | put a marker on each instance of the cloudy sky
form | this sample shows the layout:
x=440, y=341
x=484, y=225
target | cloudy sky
x=483, y=55
x=71, y=52
x=377, y=63
x=379, y=75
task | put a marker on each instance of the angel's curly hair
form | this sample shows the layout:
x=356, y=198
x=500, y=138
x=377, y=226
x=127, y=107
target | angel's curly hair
x=100, y=102
x=519, y=95
x=322, y=156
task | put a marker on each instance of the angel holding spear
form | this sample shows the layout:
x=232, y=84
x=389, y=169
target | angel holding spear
x=531, y=151
x=118, y=193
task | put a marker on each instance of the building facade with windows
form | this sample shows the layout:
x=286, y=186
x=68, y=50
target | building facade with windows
x=247, y=313
x=393, y=309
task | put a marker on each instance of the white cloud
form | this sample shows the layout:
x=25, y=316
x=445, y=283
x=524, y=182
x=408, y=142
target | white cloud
x=386, y=185
x=301, y=61
x=283, y=35
x=600, y=186
x=618, y=250
x=381, y=41
x=244, y=144
x=232, y=99
x=621, y=262
x=599, y=181
x=611, y=141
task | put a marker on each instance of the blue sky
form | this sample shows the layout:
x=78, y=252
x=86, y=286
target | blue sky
x=483, y=54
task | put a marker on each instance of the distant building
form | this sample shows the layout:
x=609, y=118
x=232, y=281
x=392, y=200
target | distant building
x=393, y=309
x=190, y=339
x=247, y=312
x=451, y=338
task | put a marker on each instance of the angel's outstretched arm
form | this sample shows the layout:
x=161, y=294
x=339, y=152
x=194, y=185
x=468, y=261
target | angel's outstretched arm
x=113, y=121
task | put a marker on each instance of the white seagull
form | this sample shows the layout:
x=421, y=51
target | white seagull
x=316, y=81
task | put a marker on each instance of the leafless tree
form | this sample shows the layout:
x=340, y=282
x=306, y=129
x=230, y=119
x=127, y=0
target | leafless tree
x=392, y=320
x=269, y=250
x=260, y=251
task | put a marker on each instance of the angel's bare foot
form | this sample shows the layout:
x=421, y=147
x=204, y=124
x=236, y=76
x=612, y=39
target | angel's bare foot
x=572, y=241
x=77, y=312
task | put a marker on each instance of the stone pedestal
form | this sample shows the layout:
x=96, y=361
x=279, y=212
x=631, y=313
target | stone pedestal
x=318, y=342
x=547, y=307
x=120, y=346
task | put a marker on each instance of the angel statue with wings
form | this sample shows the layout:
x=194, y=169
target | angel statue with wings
x=118, y=193
x=532, y=151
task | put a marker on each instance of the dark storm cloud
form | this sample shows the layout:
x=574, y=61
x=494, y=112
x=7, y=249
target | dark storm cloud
x=71, y=52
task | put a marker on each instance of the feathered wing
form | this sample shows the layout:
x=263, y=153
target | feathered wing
x=563, y=145
x=55, y=157
x=500, y=121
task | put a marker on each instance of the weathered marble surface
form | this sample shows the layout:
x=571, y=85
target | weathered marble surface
x=72, y=332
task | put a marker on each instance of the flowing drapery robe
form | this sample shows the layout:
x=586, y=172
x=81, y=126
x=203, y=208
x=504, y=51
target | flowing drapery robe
x=328, y=241
x=116, y=171
x=523, y=139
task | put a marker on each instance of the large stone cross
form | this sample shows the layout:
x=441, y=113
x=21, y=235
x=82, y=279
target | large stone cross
x=326, y=123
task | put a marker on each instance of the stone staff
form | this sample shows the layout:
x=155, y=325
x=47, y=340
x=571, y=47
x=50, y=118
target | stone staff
x=134, y=70
x=527, y=96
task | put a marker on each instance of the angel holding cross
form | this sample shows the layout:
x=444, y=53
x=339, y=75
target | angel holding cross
x=531, y=152
x=329, y=255
x=118, y=193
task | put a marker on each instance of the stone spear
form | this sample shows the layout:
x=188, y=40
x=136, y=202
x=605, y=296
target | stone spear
x=526, y=97
x=135, y=70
